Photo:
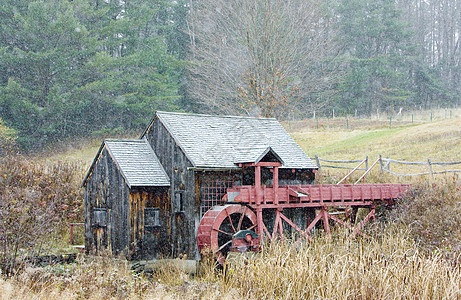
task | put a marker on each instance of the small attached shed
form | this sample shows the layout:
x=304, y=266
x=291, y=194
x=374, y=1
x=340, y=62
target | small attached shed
x=183, y=164
x=126, y=200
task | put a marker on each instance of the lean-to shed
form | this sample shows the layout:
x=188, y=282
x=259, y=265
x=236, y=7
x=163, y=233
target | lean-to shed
x=145, y=197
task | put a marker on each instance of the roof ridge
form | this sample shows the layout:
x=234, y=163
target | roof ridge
x=124, y=140
x=216, y=116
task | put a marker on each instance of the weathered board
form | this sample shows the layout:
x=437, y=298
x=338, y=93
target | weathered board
x=106, y=208
x=182, y=190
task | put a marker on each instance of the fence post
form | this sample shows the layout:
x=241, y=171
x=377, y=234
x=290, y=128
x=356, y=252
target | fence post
x=430, y=168
x=318, y=162
x=71, y=234
x=366, y=163
x=380, y=164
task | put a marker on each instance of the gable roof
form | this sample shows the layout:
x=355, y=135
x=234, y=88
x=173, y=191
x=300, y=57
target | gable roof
x=255, y=155
x=220, y=141
x=136, y=161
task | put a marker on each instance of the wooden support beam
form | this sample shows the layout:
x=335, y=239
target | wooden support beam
x=371, y=214
x=326, y=225
x=309, y=228
x=258, y=190
x=290, y=223
x=345, y=224
x=275, y=184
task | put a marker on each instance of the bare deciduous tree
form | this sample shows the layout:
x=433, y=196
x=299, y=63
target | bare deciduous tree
x=262, y=57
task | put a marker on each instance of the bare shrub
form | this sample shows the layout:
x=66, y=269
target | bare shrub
x=432, y=212
x=36, y=203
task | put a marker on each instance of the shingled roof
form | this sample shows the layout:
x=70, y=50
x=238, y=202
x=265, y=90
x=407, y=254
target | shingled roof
x=222, y=141
x=136, y=161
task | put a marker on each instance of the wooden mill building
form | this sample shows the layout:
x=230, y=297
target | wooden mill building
x=144, y=198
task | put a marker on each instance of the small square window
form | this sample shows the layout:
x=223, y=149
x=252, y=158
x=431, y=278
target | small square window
x=151, y=217
x=100, y=217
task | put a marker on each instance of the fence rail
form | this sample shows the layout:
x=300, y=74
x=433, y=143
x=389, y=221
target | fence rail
x=318, y=160
x=385, y=165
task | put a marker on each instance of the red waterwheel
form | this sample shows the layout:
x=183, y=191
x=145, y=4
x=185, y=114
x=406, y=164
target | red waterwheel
x=219, y=224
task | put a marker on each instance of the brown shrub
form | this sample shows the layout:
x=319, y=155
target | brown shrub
x=432, y=213
x=36, y=203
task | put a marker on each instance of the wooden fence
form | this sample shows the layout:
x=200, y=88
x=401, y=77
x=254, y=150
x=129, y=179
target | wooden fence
x=385, y=165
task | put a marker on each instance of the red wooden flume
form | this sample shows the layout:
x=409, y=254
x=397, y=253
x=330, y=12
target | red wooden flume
x=240, y=224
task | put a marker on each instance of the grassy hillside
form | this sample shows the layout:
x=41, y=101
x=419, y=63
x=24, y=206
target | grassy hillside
x=439, y=141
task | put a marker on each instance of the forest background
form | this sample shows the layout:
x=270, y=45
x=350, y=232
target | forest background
x=85, y=67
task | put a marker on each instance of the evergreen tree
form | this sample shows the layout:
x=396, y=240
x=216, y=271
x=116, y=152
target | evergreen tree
x=44, y=59
x=378, y=55
x=82, y=66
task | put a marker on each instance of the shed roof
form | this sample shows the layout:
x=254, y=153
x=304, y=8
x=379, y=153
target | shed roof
x=136, y=161
x=221, y=141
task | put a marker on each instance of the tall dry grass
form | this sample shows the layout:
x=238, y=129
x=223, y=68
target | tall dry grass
x=106, y=277
x=389, y=266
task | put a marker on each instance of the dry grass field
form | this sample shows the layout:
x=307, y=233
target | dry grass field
x=389, y=266
x=439, y=141
x=414, y=252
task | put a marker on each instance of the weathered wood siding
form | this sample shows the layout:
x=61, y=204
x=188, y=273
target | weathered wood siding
x=106, y=190
x=147, y=241
x=183, y=212
x=125, y=231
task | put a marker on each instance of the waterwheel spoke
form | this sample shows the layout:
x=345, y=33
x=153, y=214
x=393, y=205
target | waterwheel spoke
x=223, y=246
x=230, y=221
x=251, y=227
x=239, y=226
x=222, y=231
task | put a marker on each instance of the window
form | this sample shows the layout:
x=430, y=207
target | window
x=151, y=217
x=99, y=217
x=212, y=190
x=179, y=201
